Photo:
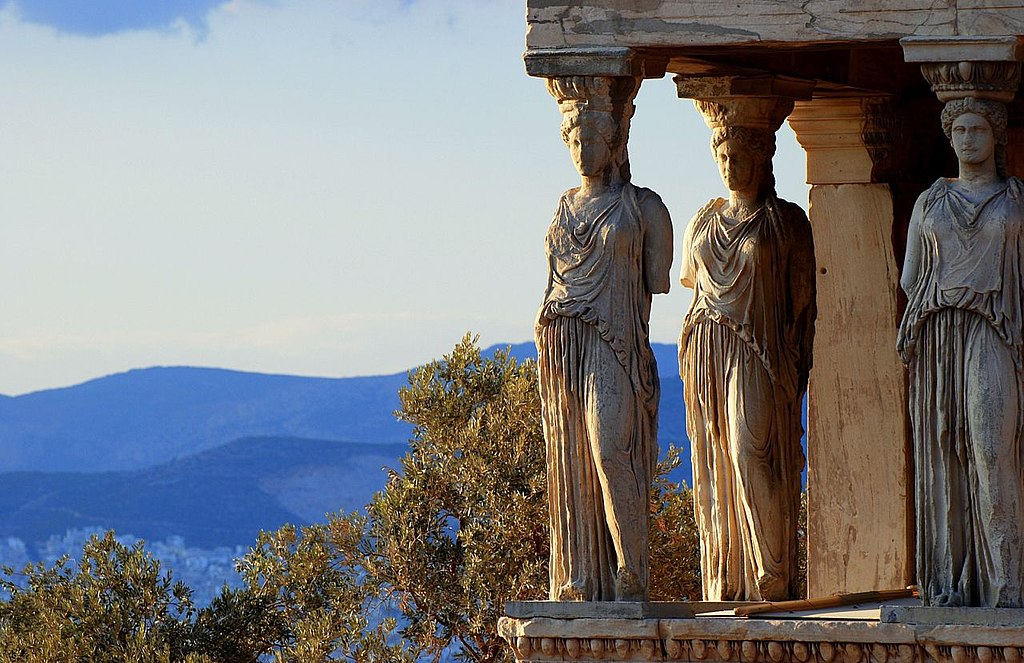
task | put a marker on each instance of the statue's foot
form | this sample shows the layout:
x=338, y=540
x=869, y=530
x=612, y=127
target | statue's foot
x=569, y=592
x=949, y=599
x=772, y=588
x=628, y=586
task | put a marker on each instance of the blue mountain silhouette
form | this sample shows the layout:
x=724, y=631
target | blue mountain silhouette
x=215, y=455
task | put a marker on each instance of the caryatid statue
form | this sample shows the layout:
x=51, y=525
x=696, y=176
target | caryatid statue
x=744, y=357
x=961, y=338
x=609, y=249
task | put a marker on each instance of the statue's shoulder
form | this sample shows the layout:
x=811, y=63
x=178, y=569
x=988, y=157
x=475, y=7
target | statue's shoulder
x=938, y=189
x=649, y=202
x=791, y=210
x=794, y=221
x=709, y=208
x=646, y=196
x=1015, y=186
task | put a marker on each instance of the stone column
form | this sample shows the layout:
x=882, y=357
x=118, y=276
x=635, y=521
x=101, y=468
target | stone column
x=859, y=514
x=968, y=487
x=746, y=471
x=609, y=250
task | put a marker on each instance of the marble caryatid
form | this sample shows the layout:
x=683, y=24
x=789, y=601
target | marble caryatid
x=744, y=357
x=609, y=249
x=961, y=338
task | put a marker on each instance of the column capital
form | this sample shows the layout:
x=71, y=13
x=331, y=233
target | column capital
x=759, y=102
x=597, y=94
x=846, y=138
x=958, y=67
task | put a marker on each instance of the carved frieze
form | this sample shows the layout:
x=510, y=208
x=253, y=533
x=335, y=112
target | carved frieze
x=739, y=640
x=581, y=650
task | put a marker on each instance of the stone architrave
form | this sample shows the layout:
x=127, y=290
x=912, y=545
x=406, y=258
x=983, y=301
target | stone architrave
x=609, y=249
x=962, y=337
x=745, y=355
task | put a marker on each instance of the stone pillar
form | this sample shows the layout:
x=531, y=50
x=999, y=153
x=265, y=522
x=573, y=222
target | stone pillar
x=859, y=512
x=598, y=500
x=743, y=482
x=976, y=78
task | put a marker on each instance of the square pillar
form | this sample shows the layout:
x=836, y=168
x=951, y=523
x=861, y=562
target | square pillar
x=859, y=488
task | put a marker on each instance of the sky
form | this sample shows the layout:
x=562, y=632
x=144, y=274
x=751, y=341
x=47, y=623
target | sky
x=311, y=187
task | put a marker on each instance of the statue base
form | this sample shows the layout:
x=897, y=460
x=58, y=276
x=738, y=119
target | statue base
x=897, y=632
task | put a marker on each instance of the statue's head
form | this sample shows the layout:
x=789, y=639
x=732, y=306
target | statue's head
x=596, y=111
x=744, y=156
x=977, y=130
x=743, y=138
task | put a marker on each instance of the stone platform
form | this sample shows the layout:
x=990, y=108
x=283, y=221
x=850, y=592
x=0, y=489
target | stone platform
x=897, y=632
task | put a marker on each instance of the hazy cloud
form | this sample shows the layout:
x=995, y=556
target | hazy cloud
x=95, y=18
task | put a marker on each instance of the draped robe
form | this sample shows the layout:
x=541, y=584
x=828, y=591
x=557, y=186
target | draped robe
x=599, y=397
x=961, y=337
x=745, y=352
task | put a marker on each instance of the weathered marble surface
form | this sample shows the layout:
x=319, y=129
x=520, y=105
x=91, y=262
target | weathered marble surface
x=653, y=23
x=609, y=249
x=600, y=609
x=858, y=487
x=962, y=337
x=737, y=640
x=945, y=616
x=744, y=357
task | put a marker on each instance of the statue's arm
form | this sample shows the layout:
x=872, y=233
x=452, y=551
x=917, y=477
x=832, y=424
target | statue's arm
x=688, y=273
x=912, y=259
x=657, y=244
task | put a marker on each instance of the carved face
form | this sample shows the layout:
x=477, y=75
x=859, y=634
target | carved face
x=739, y=165
x=589, y=148
x=973, y=139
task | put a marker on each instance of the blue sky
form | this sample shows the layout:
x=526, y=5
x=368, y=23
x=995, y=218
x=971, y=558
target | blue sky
x=103, y=17
x=319, y=187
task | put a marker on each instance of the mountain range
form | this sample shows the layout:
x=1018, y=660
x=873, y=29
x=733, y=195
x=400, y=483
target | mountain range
x=213, y=455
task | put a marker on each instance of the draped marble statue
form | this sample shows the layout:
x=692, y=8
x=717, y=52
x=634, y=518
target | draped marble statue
x=744, y=356
x=609, y=248
x=961, y=338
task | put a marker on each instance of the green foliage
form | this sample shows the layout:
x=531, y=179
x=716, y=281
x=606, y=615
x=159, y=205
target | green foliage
x=462, y=529
x=801, y=544
x=305, y=600
x=114, y=605
x=675, y=544
x=458, y=531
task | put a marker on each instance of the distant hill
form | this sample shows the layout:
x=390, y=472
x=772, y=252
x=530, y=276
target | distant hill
x=213, y=455
x=219, y=497
x=149, y=416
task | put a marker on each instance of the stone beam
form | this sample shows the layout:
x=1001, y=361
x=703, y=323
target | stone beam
x=603, y=61
x=958, y=67
x=682, y=23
